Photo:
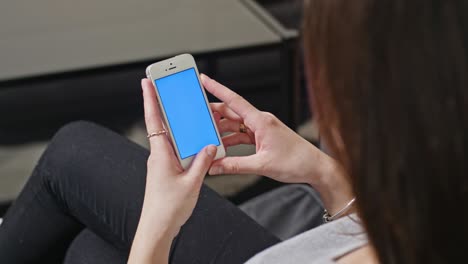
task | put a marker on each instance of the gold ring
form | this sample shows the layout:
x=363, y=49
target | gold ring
x=242, y=128
x=157, y=133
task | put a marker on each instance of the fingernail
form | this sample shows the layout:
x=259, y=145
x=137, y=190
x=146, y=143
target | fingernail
x=211, y=150
x=204, y=77
x=215, y=170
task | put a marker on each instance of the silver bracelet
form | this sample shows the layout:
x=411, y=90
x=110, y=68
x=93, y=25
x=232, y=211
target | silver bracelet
x=328, y=218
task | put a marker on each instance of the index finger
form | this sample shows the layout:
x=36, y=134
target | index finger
x=234, y=101
x=152, y=114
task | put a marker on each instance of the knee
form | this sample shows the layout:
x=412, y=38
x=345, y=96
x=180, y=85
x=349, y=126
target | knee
x=70, y=140
x=74, y=131
x=80, y=134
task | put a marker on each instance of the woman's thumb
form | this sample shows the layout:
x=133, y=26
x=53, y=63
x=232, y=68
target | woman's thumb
x=202, y=162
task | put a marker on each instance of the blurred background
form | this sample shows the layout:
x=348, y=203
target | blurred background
x=62, y=61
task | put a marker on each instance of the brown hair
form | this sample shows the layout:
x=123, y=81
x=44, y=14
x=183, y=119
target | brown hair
x=389, y=87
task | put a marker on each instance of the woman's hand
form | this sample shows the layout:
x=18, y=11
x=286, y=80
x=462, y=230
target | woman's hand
x=281, y=154
x=171, y=193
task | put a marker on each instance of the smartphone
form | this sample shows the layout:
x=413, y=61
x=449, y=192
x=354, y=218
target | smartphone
x=184, y=107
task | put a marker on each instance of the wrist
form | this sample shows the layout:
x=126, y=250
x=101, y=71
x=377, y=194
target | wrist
x=151, y=244
x=333, y=185
x=158, y=222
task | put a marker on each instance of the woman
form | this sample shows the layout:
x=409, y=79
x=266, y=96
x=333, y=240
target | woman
x=388, y=84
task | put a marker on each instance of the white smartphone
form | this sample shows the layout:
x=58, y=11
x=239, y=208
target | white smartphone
x=184, y=106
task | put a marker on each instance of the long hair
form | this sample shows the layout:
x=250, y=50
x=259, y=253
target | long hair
x=389, y=85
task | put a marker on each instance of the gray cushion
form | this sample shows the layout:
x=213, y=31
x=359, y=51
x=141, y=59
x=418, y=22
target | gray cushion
x=286, y=211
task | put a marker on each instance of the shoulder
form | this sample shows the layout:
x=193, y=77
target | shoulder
x=328, y=240
x=363, y=255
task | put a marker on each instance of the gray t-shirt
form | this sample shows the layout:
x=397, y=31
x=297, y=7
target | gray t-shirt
x=323, y=244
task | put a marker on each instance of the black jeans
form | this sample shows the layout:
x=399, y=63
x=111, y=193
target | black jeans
x=92, y=181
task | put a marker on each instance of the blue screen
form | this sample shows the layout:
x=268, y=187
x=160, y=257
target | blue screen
x=187, y=113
